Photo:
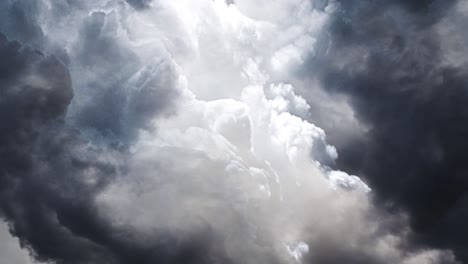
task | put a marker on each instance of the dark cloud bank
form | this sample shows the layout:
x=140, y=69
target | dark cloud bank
x=414, y=102
x=390, y=60
x=50, y=173
x=45, y=192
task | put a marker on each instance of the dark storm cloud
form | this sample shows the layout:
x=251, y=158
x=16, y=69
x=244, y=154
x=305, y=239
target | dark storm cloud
x=139, y=4
x=38, y=180
x=388, y=58
x=50, y=176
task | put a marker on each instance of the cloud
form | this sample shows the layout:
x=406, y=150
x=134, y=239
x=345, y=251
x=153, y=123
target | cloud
x=395, y=63
x=19, y=20
x=10, y=248
x=175, y=133
x=140, y=4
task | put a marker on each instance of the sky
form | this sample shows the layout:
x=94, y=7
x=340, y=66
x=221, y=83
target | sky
x=233, y=131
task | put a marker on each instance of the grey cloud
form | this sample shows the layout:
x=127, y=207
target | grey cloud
x=18, y=20
x=51, y=175
x=36, y=91
x=10, y=249
x=391, y=61
x=119, y=92
x=139, y=4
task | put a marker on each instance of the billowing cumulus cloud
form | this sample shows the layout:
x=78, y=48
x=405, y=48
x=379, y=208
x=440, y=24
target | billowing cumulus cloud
x=183, y=132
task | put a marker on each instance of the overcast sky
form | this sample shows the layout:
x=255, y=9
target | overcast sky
x=213, y=131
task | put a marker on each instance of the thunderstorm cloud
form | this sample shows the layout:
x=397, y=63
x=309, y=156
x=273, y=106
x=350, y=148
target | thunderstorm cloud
x=213, y=131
